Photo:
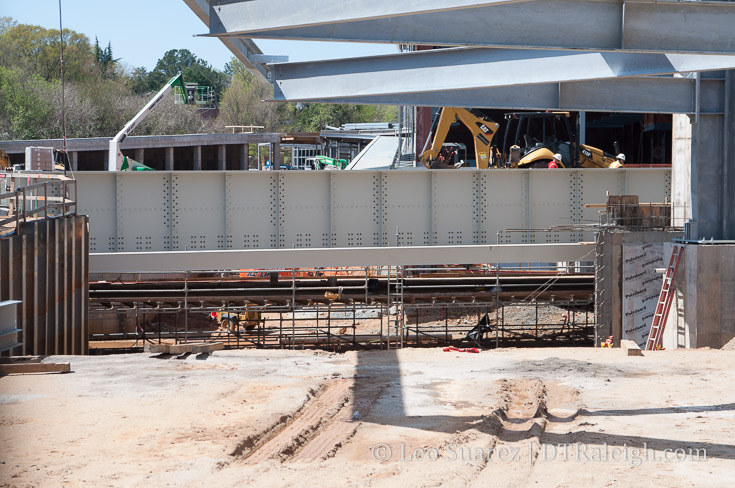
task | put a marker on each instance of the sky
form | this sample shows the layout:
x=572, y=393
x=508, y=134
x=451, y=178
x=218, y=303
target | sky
x=141, y=31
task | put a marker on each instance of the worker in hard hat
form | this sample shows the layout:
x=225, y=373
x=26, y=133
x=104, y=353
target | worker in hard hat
x=619, y=161
x=556, y=162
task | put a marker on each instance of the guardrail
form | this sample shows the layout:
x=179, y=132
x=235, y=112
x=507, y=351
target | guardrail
x=49, y=195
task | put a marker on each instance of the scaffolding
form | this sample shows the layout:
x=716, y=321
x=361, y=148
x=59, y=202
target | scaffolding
x=357, y=308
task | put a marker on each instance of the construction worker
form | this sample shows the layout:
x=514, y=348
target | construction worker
x=556, y=162
x=619, y=161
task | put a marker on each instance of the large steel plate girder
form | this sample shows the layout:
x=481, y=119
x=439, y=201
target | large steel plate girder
x=607, y=25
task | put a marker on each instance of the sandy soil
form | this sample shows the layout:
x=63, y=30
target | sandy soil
x=414, y=417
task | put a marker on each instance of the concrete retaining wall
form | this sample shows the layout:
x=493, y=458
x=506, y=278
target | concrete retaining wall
x=609, y=276
x=703, y=313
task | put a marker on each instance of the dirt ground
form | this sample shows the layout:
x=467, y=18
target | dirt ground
x=562, y=417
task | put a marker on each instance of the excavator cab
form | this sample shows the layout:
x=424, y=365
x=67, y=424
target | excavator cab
x=538, y=135
x=532, y=139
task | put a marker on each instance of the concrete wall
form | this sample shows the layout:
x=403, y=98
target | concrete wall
x=703, y=313
x=681, y=169
x=609, y=276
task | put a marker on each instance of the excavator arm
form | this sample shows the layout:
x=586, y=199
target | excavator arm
x=5, y=164
x=483, y=130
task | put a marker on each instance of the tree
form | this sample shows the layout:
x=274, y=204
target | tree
x=36, y=50
x=317, y=116
x=192, y=68
x=6, y=23
x=104, y=60
x=138, y=81
x=243, y=101
x=26, y=105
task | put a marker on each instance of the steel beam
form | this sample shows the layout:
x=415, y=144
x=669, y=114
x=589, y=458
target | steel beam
x=174, y=261
x=253, y=16
x=244, y=49
x=473, y=68
x=218, y=210
x=607, y=25
x=641, y=95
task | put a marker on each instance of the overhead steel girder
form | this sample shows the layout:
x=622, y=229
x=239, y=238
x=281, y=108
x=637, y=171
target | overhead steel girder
x=471, y=68
x=608, y=25
x=641, y=95
x=254, y=16
x=244, y=49
x=170, y=261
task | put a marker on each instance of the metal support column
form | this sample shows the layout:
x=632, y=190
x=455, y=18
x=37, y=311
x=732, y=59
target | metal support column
x=221, y=157
x=245, y=157
x=169, y=162
x=275, y=156
x=713, y=161
x=197, y=157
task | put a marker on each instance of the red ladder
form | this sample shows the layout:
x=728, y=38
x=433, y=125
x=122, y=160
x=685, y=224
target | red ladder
x=664, y=301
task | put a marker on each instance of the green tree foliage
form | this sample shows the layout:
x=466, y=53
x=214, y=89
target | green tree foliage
x=244, y=101
x=138, y=80
x=25, y=105
x=36, y=50
x=6, y=23
x=104, y=60
x=317, y=116
x=192, y=68
x=100, y=96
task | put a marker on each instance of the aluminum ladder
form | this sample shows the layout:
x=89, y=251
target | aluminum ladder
x=665, y=298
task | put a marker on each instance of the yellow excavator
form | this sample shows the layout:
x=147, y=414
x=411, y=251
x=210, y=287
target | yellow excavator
x=532, y=139
x=5, y=163
x=483, y=130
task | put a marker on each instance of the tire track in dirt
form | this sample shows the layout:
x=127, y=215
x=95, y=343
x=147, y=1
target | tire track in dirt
x=524, y=419
x=344, y=426
x=305, y=426
x=324, y=423
x=327, y=419
x=250, y=444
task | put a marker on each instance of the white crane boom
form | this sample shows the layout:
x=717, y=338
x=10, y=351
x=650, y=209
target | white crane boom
x=115, y=157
